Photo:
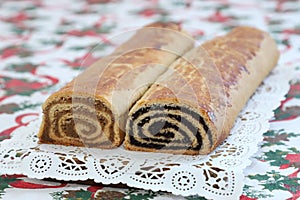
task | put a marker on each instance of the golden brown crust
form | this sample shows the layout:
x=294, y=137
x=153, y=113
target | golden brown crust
x=259, y=55
x=111, y=84
x=215, y=80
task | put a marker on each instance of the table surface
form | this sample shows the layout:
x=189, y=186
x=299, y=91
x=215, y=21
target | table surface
x=38, y=37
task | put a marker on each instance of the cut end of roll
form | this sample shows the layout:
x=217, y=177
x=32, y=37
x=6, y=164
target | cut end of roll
x=79, y=121
x=169, y=128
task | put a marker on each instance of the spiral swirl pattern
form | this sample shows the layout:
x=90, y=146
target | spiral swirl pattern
x=167, y=128
x=85, y=122
x=191, y=108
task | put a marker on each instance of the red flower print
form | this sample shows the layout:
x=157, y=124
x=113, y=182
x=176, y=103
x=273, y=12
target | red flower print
x=8, y=52
x=198, y=33
x=243, y=197
x=94, y=189
x=31, y=68
x=18, y=21
x=81, y=62
x=294, y=90
x=149, y=12
x=90, y=33
x=291, y=31
x=13, y=176
x=293, y=157
x=294, y=161
x=27, y=185
x=219, y=17
x=19, y=86
x=18, y=18
x=24, y=67
x=286, y=114
x=20, y=121
x=284, y=166
x=80, y=33
x=23, y=87
x=295, y=196
x=14, y=51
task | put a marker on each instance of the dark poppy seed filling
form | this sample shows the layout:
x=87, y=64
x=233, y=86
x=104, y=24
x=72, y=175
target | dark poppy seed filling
x=167, y=127
x=192, y=107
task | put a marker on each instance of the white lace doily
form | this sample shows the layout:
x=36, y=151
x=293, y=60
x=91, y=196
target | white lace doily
x=216, y=176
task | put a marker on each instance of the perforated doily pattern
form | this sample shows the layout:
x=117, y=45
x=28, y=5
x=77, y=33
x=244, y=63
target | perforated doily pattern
x=218, y=175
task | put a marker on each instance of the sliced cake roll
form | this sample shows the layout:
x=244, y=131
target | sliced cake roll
x=90, y=110
x=193, y=106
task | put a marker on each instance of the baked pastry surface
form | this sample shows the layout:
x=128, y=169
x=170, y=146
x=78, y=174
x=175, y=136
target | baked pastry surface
x=193, y=106
x=90, y=110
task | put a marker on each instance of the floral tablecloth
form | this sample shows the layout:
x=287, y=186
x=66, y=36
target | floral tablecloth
x=43, y=44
